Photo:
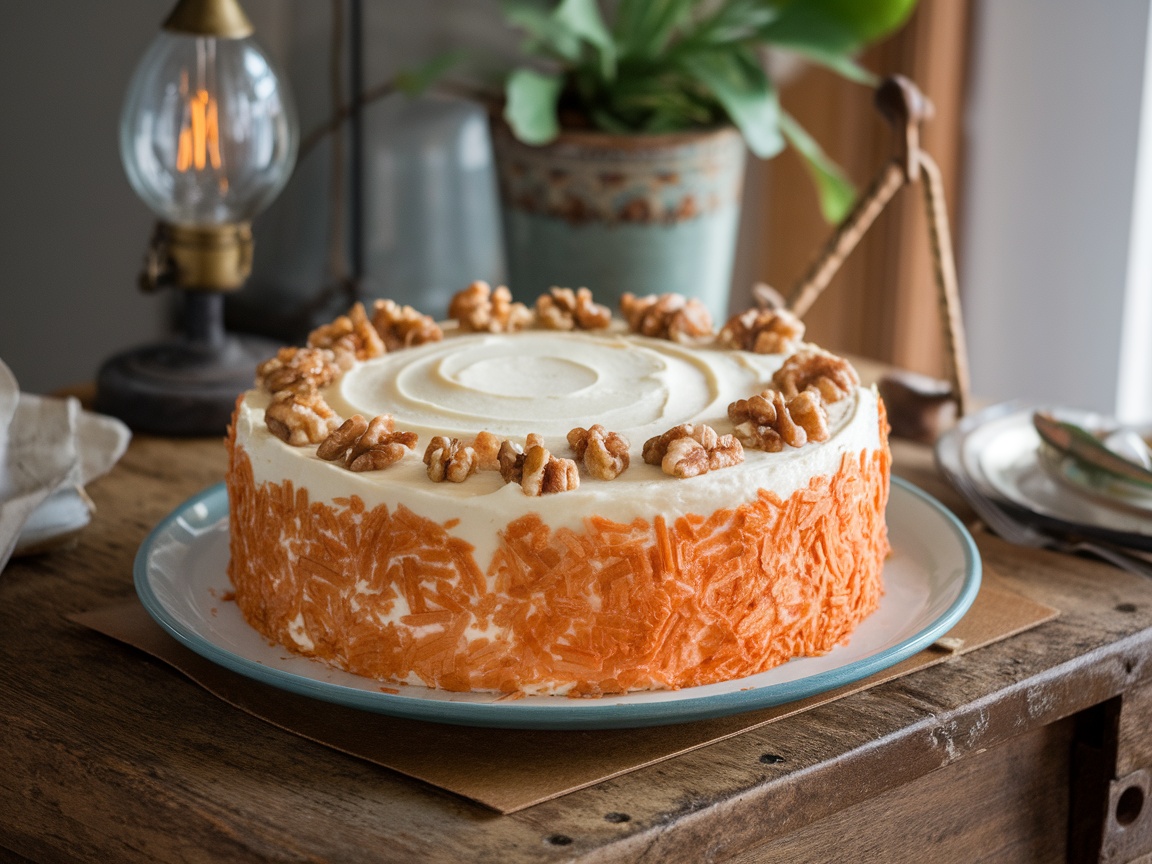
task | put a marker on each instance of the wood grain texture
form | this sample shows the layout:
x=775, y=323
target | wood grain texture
x=1017, y=793
x=1135, y=742
x=109, y=756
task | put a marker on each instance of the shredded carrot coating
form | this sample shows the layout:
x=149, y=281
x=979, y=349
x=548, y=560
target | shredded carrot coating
x=612, y=608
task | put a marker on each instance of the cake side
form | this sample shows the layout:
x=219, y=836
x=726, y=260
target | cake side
x=391, y=595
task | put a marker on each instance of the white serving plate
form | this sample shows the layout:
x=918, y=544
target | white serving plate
x=931, y=579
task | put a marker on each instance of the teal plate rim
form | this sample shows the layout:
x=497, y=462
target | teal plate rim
x=212, y=506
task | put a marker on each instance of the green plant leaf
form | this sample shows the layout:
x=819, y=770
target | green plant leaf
x=546, y=33
x=530, y=109
x=609, y=122
x=742, y=88
x=735, y=21
x=643, y=27
x=835, y=190
x=678, y=116
x=835, y=26
x=413, y=82
x=582, y=18
x=843, y=65
x=661, y=103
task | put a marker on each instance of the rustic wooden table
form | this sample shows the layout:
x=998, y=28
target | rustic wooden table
x=1031, y=749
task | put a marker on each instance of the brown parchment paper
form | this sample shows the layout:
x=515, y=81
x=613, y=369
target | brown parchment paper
x=507, y=769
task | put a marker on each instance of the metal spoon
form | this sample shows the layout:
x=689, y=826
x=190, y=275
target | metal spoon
x=1131, y=445
x=1089, y=450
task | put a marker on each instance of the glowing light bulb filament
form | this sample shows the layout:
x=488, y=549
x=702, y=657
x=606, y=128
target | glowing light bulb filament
x=199, y=144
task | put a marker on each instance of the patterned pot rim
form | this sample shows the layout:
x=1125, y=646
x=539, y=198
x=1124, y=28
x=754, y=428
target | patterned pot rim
x=596, y=139
x=573, y=141
x=588, y=176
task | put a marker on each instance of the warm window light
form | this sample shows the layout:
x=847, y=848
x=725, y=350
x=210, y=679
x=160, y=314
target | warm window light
x=208, y=138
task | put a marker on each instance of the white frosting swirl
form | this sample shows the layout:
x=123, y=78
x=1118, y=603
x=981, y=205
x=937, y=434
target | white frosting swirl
x=539, y=382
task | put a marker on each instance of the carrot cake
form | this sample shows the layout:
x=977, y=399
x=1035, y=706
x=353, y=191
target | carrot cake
x=555, y=499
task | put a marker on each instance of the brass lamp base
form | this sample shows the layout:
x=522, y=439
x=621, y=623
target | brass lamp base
x=198, y=258
x=186, y=387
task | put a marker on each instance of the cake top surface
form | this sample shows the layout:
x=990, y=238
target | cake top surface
x=547, y=383
x=754, y=395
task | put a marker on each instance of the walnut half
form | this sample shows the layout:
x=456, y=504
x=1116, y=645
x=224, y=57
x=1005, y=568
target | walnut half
x=299, y=417
x=297, y=369
x=604, y=454
x=367, y=445
x=535, y=469
x=340, y=441
x=816, y=369
x=487, y=447
x=764, y=331
x=545, y=474
x=768, y=421
x=402, y=326
x=688, y=450
x=510, y=457
x=565, y=309
x=481, y=309
x=349, y=333
x=449, y=459
x=668, y=316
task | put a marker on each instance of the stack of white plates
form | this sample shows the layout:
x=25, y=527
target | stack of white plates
x=1000, y=450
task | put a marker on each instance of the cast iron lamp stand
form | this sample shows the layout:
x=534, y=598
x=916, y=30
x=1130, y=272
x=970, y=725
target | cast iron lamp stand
x=189, y=384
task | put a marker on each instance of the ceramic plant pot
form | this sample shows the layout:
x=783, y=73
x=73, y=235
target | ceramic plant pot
x=647, y=214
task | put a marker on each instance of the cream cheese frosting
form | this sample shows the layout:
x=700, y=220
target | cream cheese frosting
x=547, y=383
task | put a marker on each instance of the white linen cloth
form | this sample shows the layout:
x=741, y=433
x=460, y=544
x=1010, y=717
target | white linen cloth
x=49, y=450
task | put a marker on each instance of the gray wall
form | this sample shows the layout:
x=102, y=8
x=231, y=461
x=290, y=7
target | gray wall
x=72, y=233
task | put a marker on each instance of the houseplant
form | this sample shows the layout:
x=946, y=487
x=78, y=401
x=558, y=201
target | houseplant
x=621, y=141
